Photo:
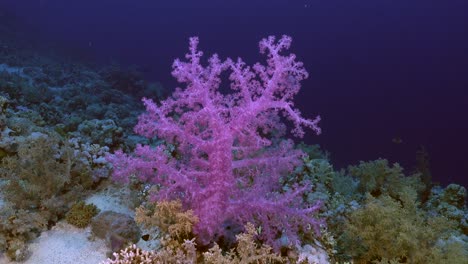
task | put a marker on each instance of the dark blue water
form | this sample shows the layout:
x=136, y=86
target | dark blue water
x=386, y=76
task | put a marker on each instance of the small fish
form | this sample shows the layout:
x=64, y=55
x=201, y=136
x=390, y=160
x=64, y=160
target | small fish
x=397, y=140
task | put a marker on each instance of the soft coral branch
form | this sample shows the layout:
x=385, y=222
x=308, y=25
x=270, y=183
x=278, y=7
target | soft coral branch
x=232, y=156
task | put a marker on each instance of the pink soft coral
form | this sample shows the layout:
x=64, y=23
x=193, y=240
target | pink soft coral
x=232, y=156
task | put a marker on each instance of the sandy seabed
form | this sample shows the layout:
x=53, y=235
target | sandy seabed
x=66, y=244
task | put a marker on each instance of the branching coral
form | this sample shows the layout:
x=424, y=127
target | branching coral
x=178, y=245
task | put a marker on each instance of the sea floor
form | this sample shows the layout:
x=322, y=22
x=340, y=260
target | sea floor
x=67, y=244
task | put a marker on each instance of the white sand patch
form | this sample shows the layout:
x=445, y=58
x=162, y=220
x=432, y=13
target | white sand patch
x=65, y=244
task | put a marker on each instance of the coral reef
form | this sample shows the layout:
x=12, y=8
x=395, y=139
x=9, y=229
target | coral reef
x=211, y=175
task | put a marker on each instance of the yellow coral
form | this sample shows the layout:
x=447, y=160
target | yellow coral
x=80, y=214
